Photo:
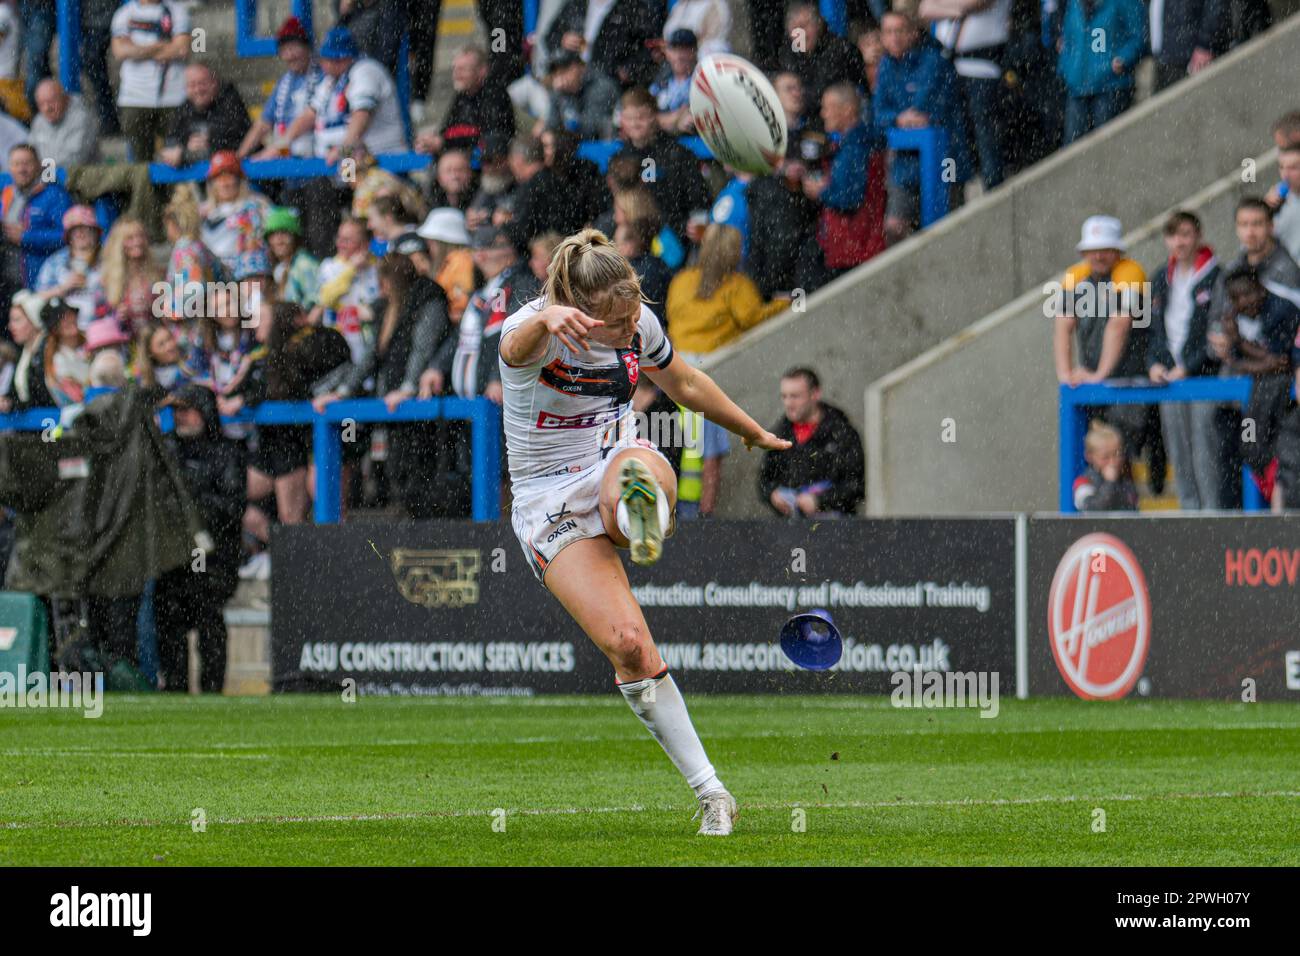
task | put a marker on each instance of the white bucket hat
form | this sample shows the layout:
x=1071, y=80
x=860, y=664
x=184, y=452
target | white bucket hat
x=1101, y=232
x=445, y=225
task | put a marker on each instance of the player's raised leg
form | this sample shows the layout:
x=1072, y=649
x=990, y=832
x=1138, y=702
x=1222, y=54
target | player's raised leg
x=589, y=580
x=637, y=495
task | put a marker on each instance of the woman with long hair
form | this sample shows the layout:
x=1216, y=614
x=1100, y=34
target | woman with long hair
x=159, y=361
x=713, y=302
x=27, y=387
x=67, y=371
x=574, y=356
x=129, y=274
x=295, y=270
x=191, y=265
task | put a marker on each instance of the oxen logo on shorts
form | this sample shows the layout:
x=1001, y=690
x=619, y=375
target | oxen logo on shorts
x=1099, y=618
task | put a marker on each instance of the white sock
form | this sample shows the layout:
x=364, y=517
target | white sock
x=659, y=704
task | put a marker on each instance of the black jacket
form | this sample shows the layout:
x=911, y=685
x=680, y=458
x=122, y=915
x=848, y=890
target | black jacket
x=225, y=120
x=423, y=323
x=1189, y=24
x=543, y=204
x=833, y=60
x=620, y=49
x=471, y=115
x=1196, y=358
x=655, y=277
x=677, y=186
x=779, y=220
x=833, y=453
x=311, y=354
x=213, y=469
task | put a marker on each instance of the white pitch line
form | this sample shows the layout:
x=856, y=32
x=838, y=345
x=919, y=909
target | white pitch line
x=97, y=754
x=665, y=808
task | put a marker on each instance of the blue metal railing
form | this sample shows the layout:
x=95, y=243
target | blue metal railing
x=327, y=441
x=1074, y=422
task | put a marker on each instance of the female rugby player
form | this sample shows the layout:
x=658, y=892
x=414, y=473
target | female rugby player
x=584, y=484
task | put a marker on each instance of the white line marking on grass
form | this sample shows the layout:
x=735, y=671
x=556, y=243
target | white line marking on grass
x=97, y=754
x=665, y=808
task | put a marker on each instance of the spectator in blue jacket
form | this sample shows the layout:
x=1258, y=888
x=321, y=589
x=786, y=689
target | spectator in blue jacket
x=1101, y=43
x=916, y=88
x=32, y=210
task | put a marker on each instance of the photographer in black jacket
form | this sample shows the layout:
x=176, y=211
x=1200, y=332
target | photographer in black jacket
x=824, y=473
x=194, y=596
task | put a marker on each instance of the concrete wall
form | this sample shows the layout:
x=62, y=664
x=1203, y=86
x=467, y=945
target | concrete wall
x=997, y=385
x=938, y=283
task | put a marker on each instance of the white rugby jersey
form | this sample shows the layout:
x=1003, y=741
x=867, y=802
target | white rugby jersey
x=564, y=412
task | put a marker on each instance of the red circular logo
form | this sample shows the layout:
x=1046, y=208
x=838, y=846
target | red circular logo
x=1099, y=618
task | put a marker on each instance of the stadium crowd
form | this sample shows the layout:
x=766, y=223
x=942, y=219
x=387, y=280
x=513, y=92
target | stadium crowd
x=1197, y=316
x=217, y=296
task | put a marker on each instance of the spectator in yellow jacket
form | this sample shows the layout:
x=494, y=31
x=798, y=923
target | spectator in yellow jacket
x=711, y=303
x=707, y=306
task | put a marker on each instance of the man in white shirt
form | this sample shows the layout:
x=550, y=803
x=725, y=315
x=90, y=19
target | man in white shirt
x=975, y=33
x=151, y=39
x=355, y=103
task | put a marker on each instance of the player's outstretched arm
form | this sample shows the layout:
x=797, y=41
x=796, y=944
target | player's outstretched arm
x=691, y=387
x=526, y=343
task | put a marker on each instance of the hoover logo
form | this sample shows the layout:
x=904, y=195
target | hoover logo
x=1099, y=618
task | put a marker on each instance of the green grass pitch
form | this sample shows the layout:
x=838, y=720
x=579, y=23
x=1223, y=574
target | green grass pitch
x=314, y=780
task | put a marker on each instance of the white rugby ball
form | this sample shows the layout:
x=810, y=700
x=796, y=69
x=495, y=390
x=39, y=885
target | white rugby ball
x=737, y=113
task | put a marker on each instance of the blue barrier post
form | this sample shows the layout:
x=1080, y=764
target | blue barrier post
x=248, y=42
x=69, y=27
x=327, y=450
x=931, y=143
x=485, y=452
x=1071, y=415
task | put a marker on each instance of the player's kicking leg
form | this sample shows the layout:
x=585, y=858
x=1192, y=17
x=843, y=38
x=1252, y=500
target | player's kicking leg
x=637, y=496
x=591, y=583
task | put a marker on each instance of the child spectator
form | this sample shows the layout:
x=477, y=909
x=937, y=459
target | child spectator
x=1105, y=485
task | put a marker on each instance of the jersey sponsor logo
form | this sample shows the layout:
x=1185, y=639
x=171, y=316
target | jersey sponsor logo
x=562, y=530
x=1099, y=618
x=547, y=419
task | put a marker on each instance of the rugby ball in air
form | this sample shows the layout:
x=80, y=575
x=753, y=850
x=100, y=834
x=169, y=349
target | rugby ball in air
x=737, y=113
